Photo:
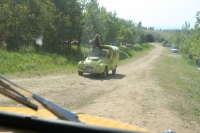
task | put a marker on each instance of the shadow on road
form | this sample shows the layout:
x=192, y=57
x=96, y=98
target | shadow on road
x=99, y=77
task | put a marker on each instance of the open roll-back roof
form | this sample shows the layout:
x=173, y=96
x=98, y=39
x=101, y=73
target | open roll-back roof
x=109, y=46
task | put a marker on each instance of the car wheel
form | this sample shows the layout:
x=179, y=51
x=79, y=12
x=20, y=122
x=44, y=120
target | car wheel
x=114, y=71
x=105, y=73
x=80, y=73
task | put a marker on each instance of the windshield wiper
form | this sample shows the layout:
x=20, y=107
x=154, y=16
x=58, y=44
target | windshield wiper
x=60, y=112
x=8, y=91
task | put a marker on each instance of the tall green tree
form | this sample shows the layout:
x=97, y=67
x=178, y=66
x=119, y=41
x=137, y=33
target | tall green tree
x=25, y=20
x=11, y=17
x=68, y=22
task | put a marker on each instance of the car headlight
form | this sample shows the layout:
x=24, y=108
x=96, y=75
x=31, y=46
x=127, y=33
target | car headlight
x=98, y=64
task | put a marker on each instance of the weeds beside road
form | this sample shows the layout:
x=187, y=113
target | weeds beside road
x=182, y=84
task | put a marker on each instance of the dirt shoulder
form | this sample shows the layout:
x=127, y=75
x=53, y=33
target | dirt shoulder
x=132, y=95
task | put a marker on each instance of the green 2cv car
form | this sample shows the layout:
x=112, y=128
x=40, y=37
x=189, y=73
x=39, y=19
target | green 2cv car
x=100, y=61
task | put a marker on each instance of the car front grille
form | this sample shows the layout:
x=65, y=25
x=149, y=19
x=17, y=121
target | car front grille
x=89, y=67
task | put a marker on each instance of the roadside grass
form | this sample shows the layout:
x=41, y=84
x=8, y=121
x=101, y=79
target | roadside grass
x=181, y=81
x=33, y=63
x=26, y=64
x=130, y=53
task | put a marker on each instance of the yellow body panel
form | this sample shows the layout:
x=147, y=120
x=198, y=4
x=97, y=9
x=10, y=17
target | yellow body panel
x=87, y=119
x=100, y=121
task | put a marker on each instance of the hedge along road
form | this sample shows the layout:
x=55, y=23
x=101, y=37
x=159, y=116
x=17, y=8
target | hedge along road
x=132, y=95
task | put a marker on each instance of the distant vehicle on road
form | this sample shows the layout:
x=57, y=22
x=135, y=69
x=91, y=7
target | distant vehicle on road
x=128, y=45
x=164, y=43
x=175, y=50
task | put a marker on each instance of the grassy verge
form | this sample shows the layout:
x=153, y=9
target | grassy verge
x=134, y=52
x=182, y=84
x=25, y=64
x=42, y=63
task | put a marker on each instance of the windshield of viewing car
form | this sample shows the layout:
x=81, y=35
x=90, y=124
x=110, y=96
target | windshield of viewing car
x=98, y=53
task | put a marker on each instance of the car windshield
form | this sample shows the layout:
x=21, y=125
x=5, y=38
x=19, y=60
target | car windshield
x=98, y=53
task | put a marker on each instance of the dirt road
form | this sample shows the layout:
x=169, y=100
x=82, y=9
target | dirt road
x=132, y=95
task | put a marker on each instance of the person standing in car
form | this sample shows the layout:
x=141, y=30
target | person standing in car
x=96, y=41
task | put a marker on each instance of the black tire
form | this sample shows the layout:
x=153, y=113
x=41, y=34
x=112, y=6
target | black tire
x=114, y=71
x=105, y=73
x=80, y=73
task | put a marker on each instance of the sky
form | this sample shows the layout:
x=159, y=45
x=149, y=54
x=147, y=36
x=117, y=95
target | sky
x=160, y=14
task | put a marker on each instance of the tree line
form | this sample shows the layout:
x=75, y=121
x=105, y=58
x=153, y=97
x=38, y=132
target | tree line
x=51, y=25
x=188, y=39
